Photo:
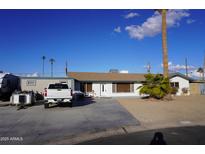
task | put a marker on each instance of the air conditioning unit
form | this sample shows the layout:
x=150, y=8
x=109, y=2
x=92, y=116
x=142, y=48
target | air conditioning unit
x=17, y=99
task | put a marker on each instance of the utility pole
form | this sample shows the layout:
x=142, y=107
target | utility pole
x=186, y=67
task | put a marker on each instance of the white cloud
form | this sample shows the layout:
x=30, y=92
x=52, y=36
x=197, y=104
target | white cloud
x=152, y=26
x=190, y=21
x=131, y=15
x=117, y=29
x=36, y=74
x=178, y=67
x=181, y=67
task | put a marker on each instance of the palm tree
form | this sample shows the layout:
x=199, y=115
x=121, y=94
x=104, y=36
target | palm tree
x=43, y=58
x=163, y=12
x=201, y=71
x=52, y=61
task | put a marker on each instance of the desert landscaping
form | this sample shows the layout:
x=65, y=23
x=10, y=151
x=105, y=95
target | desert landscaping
x=153, y=114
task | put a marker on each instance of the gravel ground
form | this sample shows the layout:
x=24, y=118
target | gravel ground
x=182, y=111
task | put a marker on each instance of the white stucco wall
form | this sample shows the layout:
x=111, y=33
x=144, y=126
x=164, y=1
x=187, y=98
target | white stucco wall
x=97, y=88
x=183, y=83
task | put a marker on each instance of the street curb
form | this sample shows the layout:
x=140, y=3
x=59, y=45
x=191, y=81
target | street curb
x=88, y=136
x=76, y=139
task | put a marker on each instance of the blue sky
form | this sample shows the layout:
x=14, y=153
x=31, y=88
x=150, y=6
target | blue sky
x=98, y=40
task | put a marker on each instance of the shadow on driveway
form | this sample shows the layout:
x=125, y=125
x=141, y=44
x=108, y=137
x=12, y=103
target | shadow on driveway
x=76, y=103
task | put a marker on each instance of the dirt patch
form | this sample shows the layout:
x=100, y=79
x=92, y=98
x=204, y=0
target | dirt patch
x=183, y=110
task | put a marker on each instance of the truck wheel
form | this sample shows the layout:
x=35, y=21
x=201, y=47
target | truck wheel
x=46, y=105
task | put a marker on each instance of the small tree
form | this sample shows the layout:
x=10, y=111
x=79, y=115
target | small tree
x=156, y=86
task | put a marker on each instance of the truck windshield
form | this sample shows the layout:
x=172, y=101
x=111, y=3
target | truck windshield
x=58, y=86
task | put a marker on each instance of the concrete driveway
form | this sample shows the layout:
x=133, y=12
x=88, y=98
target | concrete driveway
x=35, y=125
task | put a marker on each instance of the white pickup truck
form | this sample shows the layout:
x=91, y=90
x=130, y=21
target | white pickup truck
x=57, y=93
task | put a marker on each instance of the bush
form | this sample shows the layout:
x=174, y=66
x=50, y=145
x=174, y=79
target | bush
x=156, y=86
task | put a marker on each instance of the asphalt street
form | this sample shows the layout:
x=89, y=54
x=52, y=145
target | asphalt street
x=192, y=135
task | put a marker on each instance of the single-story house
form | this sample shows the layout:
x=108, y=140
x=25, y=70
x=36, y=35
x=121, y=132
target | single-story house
x=121, y=84
x=182, y=82
x=110, y=84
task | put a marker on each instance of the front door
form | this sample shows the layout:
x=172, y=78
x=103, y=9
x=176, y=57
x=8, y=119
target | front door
x=103, y=90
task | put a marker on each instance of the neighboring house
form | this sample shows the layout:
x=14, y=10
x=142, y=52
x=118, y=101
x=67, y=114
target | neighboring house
x=181, y=82
x=121, y=84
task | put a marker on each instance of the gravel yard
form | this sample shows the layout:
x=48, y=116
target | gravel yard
x=182, y=111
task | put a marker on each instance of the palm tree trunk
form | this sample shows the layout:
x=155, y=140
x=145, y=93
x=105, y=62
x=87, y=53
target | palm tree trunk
x=164, y=43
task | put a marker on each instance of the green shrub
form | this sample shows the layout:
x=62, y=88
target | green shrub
x=156, y=86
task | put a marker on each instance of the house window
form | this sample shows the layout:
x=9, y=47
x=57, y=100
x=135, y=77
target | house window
x=31, y=83
x=175, y=84
x=88, y=87
x=124, y=87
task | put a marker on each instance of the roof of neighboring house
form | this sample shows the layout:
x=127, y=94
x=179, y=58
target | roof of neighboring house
x=197, y=81
x=93, y=76
x=171, y=75
x=49, y=78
